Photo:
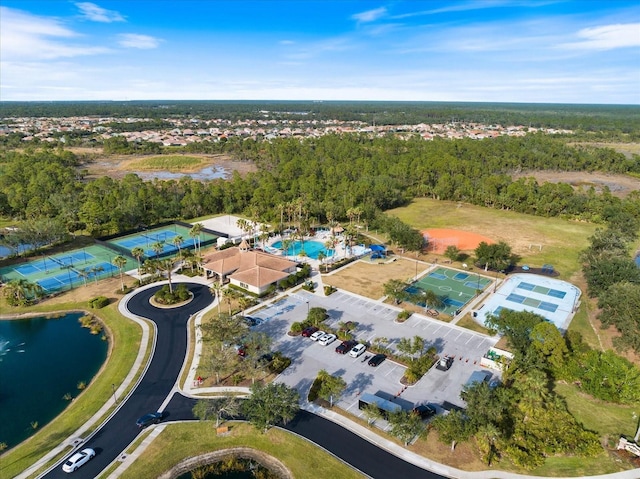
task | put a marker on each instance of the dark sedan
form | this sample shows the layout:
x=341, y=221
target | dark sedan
x=149, y=419
x=345, y=346
x=377, y=360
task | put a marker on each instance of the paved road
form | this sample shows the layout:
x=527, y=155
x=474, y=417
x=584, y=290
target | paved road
x=112, y=439
x=351, y=448
x=156, y=384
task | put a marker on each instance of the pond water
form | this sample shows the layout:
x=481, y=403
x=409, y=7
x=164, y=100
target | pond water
x=208, y=173
x=41, y=361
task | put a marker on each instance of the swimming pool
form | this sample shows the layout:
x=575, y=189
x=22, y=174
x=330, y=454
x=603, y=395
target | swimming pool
x=311, y=248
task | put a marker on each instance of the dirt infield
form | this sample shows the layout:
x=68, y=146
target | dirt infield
x=440, y=238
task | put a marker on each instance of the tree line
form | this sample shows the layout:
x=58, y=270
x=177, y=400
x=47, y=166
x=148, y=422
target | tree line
x=329, y=175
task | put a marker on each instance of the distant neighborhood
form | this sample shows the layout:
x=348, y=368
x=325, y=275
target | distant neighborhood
x=186, y=131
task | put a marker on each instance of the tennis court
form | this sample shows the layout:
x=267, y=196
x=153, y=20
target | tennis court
x=67, y=270
x=161, y=239
x=553, y=299
x=456, y=288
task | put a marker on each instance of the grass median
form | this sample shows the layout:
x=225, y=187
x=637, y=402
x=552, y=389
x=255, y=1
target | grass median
x=181, y=441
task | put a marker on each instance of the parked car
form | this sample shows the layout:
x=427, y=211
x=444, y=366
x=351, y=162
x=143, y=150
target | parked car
x=345, y=346
x=149, y=419
x=424, y=411
x=251, y=321
x=444, y=363
x=357, y=350
x=78, y=459
x=317, y=335
x=327, y=339
x=377, y=360
x=306, y=332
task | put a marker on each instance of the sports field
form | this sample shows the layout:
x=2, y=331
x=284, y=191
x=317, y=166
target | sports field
x=535, y=239
x=456, y=288
x=64, y=271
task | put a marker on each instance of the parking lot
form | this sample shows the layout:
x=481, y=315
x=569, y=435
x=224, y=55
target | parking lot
x=374, y=319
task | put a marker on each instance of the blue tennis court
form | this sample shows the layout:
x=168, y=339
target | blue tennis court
x=516, y=298
x=553, y=299
x=161, y=242
x=437, y=276
x=64, y=271
x=461, y=276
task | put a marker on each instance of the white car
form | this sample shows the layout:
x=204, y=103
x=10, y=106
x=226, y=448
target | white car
x=317, y=335
x=327, y=339
x=78, y=459
x=357, y=350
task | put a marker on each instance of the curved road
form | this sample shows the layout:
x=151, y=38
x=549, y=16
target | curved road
x=171, y=345
x=120, y=430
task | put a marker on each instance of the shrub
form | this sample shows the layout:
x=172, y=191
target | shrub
x=403, y=316
x=297, y=327
x=328, y=290
x=99, y=302
x=279, y=363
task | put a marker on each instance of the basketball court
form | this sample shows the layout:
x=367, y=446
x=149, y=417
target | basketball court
x=456, y=288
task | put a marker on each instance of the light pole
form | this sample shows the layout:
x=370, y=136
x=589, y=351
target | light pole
x=307, y=308
x=115, y=399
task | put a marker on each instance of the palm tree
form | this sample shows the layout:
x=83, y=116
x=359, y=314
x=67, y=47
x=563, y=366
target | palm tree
x=216, y=289
x=166, y=266
x=84, y=274
x=120, y=261
x=177, y=242
x=95, y=270
x=19, y=291
x=194, y=232
x=137, y=253
x=321, y=257
x=286, y=244
x=158, y=247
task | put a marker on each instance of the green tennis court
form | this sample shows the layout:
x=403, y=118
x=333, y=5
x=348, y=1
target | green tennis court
x=67, y=270
x=456, y=288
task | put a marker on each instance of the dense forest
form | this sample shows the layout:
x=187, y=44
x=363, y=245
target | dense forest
x=329, y=175
x=619, y=120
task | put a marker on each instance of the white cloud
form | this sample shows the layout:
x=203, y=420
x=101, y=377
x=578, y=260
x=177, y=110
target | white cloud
x=607, y=37
x=93, y=12
x=370, y=15
x=286, y=42
x=26, y=37
x=134, y=40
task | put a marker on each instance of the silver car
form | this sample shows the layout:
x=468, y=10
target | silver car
x=327, y=339
x=317, y=335
x=357, y=350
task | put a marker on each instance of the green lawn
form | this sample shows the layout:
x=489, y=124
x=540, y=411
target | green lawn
x=126, y=336
x=180, y=441
x=602, y=417
x=561, y=240
x=174, y=163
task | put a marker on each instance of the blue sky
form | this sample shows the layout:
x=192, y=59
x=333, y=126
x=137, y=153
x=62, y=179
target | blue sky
x=556, y=51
